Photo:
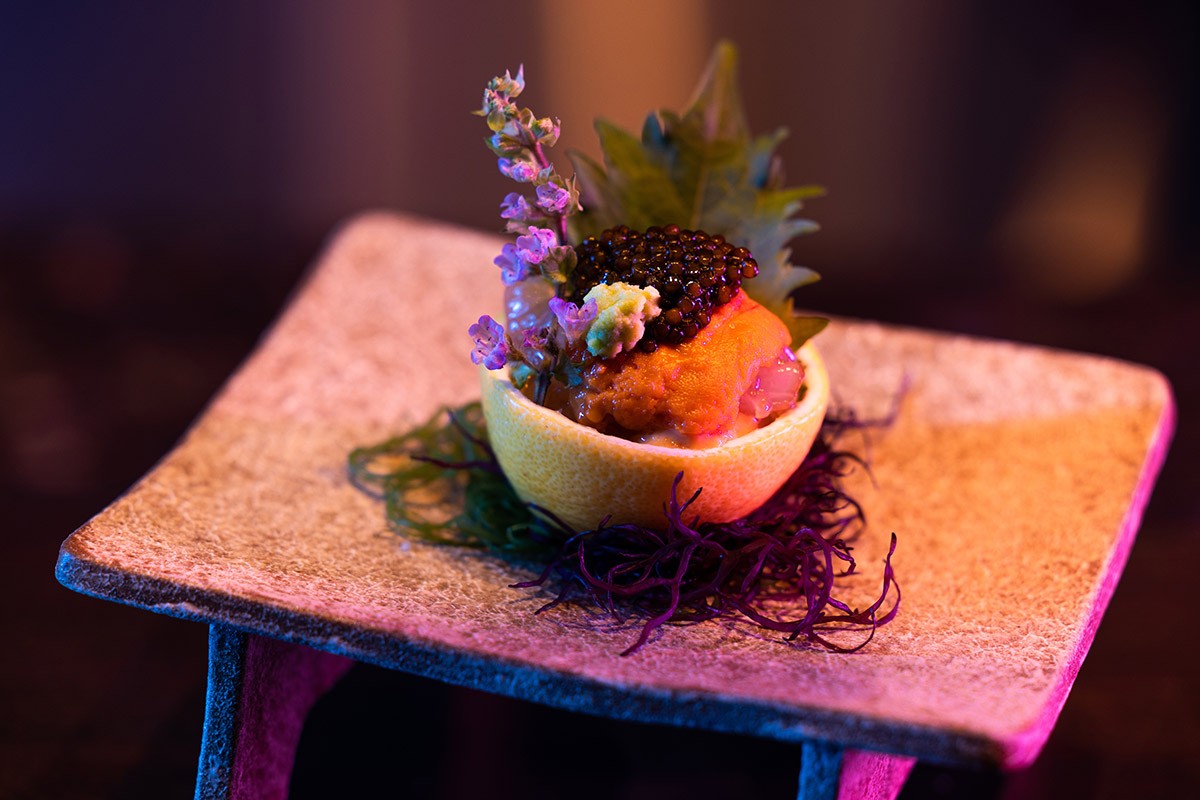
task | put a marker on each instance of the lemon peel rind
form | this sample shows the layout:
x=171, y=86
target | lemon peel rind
x=584, y=476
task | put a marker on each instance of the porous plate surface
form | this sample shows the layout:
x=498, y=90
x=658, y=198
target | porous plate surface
x=1014, y=477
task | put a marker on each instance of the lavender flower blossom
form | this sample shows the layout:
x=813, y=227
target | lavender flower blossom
x=537, y=244
x=536, y=338
x=519, y=170
x=516, y=207
x=552, y=198
x=573, y=319
x=491, y=349
x=512, y=266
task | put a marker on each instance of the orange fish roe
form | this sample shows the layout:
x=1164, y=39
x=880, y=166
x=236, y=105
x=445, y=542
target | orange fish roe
x=693, y=389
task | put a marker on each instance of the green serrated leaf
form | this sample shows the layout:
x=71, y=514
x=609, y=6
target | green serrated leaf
x=702, y=170
x=802, y=326
x=716, y=107
x=762, y=157
x=640, y=180
x=603, y=204
x=653, y=137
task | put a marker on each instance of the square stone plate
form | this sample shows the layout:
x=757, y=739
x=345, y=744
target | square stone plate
x=1014, y=477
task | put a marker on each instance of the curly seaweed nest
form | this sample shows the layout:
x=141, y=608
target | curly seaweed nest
x=775, y=568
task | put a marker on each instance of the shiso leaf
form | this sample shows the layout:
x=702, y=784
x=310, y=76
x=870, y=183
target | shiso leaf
x=703, y=170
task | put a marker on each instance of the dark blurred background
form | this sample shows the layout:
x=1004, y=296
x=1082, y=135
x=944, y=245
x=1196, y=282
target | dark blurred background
x=1024, y=170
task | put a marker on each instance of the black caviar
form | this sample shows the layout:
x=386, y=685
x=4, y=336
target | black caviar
x=693, y=272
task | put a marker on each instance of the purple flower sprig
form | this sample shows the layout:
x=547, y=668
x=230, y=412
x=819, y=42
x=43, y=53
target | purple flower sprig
x=537, y=353
x=537, y=253
x=574, y=320
x=494, y=347
x=553, y=349
x=538, y=265
x=520, y=139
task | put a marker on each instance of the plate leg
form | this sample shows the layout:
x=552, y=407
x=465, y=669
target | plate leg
x=259, y=692
x=830, y=772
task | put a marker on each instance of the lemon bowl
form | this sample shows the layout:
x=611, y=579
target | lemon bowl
x=583, y=476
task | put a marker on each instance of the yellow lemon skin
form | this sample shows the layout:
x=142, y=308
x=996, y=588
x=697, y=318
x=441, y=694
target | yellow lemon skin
x=583, y=476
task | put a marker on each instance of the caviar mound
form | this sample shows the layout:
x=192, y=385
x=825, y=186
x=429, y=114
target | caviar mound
x=694, y=273
x=583, y=476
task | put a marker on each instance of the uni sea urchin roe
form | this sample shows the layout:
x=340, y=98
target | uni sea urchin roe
x=691, y=394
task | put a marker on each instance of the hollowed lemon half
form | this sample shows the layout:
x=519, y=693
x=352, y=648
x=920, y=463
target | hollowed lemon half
x=583, y=476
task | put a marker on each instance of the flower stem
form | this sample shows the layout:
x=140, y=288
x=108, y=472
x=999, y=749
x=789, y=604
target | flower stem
x=541, y=385
x=560, y=220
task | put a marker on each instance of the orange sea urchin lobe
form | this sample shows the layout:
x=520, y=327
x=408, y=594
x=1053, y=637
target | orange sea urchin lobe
x=689, y=394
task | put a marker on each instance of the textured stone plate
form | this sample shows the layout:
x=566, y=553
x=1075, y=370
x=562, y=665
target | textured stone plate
x=1014, y=477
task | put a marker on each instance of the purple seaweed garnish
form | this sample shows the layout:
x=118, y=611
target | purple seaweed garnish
x=776, y=567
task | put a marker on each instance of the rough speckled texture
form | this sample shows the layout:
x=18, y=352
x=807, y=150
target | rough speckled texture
x=1015, y=478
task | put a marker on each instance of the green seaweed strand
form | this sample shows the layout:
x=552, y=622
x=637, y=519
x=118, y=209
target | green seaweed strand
x=440, y=483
